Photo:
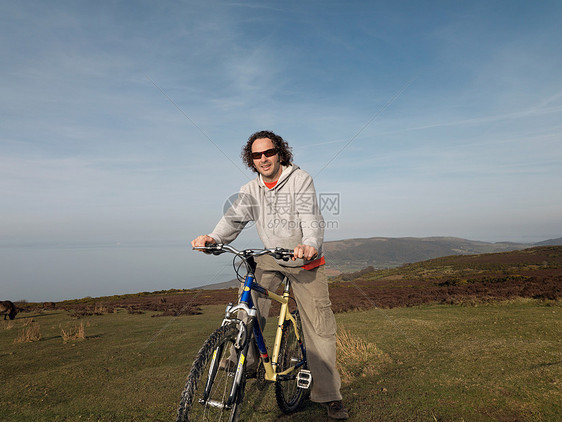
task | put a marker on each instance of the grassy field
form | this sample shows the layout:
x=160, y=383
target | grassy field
x=498, y=361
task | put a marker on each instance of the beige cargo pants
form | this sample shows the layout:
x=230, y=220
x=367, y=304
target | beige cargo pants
x=310, y=288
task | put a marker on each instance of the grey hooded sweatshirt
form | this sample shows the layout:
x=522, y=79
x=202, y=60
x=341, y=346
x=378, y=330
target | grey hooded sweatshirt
x=286, y=216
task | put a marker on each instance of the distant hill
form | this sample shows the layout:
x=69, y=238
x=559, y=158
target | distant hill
x=457, y=279
x=543, y=258
x=224, y=285
x=550, y=242
x=386, y=252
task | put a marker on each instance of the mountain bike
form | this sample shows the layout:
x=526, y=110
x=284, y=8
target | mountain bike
x=215, y=385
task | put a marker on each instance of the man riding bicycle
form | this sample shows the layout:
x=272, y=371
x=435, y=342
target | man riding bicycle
x=282, y=203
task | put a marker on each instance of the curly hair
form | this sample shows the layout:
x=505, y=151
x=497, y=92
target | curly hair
x=282, y=147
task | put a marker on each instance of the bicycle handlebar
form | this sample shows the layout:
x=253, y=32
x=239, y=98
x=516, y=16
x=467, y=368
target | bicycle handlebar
x=219, y=248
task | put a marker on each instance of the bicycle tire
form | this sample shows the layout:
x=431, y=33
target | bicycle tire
x=192, y=407
x=289, y=396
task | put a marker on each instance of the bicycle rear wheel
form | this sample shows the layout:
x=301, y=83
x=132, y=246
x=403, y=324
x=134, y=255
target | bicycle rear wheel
x=209, y=385
x=288, y=394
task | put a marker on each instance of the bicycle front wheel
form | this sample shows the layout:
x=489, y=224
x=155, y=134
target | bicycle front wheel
x=288, y=394
x=210, y=381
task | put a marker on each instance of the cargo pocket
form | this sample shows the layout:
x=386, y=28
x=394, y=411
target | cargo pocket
x=324, y=320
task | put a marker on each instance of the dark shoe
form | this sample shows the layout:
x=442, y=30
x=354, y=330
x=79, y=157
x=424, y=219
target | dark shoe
x=336, y=410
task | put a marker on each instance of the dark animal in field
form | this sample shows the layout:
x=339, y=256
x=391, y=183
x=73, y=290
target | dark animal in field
x=8, y=309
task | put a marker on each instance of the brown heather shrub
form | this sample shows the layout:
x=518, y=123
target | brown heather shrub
x=73, y=333
x=357, y=274
x=30, y=332
x=102, y=308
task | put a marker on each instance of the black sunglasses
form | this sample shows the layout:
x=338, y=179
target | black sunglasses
x=269, y=153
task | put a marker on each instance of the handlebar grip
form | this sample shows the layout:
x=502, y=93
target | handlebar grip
x=283, y=254
x=214, y=249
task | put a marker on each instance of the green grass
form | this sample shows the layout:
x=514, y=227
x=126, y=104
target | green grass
x=445, y=363
x=497, y=362
x=130, y=367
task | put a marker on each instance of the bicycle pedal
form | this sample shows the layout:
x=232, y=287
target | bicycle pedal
x=304, y=379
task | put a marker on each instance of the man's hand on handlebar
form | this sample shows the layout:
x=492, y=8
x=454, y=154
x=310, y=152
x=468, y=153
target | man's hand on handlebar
x=304, y=251
x=203, y=240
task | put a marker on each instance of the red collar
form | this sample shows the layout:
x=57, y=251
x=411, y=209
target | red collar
x=270, y=185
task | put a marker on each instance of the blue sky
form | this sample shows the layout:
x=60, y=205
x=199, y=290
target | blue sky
x=122, y=123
